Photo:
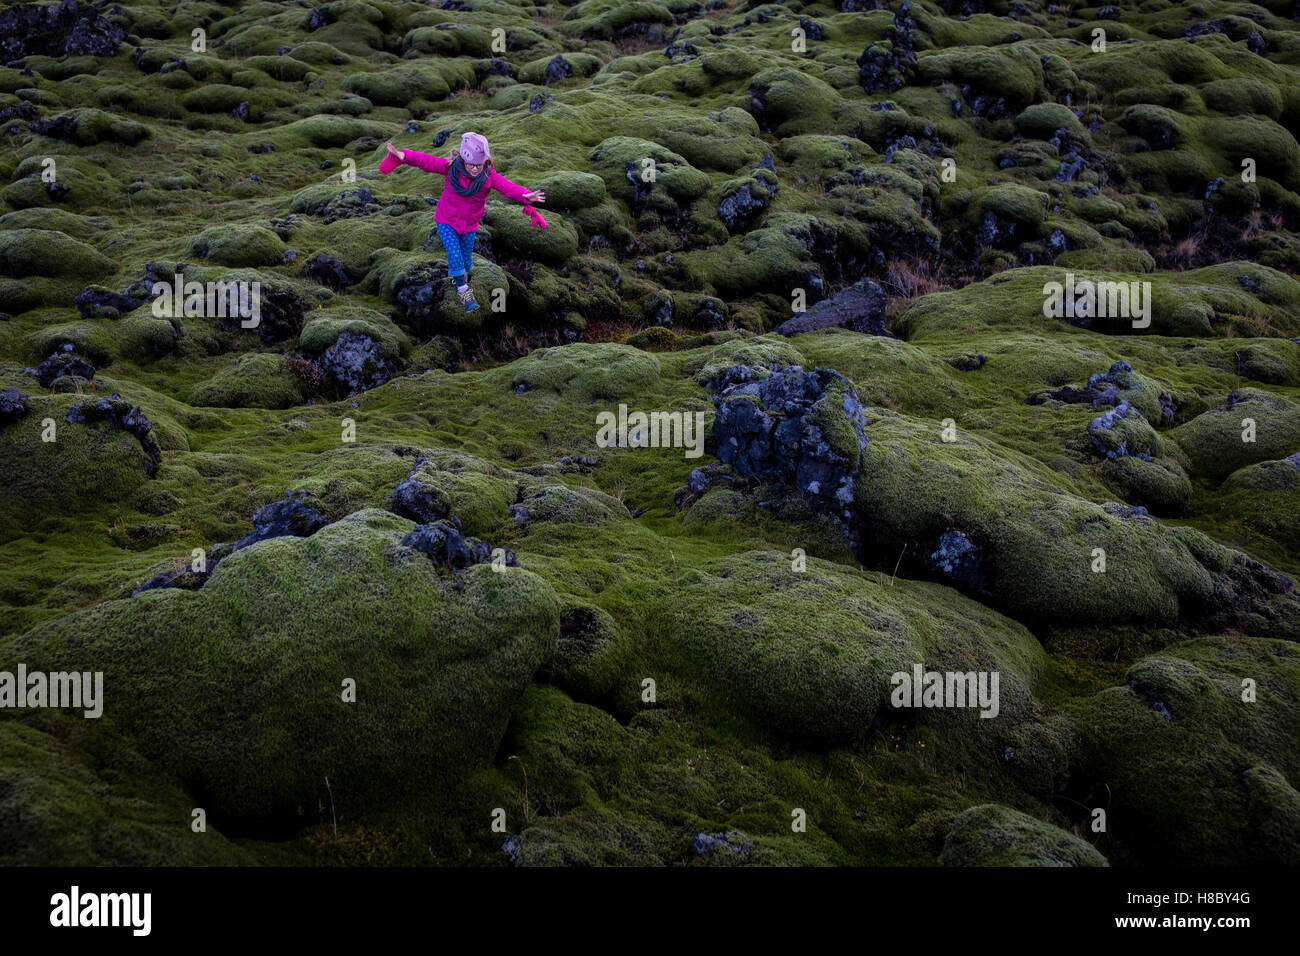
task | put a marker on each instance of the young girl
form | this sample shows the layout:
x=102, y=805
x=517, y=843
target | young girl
x=470, y=176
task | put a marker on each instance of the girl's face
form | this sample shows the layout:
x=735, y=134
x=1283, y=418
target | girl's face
x=473, y=168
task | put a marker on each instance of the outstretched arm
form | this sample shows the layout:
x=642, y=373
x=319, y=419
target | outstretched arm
x=514, y=190
x=411, y=157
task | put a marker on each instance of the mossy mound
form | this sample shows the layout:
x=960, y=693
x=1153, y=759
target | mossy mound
x=58, y=811
x=252, y=381
x=586, y=372
x=468, y=489
x=1197, y=750
x=87, y=126
x=238, y=245
x=82, y=467
x=48, y=252
x=1036, y=547
x=993, y=835
x=1266, y=498
x=516, y=235
x=560, y=503
x=1200, y=302
x=1253, y=426
x=811, y=654
x=409, y=638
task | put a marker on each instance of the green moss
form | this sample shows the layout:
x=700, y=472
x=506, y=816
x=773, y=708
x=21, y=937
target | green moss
x=59, y=811
x=87, y=126
x=1039, y=540
x=1014, y=73
x=586, y=372
x=251, y=381
x=1221, y=440
x=514, y=230
x=992, y=835
x=411, y=664
x=811, y=654
x=238, y=245
x=472, y=491
x=1042, y=120
x=567, y=190
x=82, y=468
x=47, y=252
x=1183, y=786
x=560, y=503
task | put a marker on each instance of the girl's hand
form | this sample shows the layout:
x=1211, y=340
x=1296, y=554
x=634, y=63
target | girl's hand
x=536, y=196
x=394, y=151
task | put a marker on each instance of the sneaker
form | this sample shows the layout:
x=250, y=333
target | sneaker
x=467, y=299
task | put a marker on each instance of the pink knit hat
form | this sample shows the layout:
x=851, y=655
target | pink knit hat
x=474, y=148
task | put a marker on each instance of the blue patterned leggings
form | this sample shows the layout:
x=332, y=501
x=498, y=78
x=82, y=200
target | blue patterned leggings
x=459, y=246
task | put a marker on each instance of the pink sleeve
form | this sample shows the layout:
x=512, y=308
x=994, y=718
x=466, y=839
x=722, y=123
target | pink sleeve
x=507, y=188
x=425, y=161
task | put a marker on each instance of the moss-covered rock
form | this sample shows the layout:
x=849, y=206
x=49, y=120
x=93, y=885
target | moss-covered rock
x=554, y=245
x=1252, y=426
x=238, y=245
x=812, y=654
x=421, y=641
x=448, y=485
x=48, y=252
x=586, y=372
x=993, y=835
x=251, y=381
x=1195, y=748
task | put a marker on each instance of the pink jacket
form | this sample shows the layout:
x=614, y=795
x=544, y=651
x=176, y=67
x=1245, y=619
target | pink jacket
x=462, y=213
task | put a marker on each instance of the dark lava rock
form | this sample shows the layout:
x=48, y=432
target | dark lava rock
x=739, y=210
x=441, y=137
x=294, y=514
x=1127, y=512
x=348, y=204
x=811, y=29
x=417, y=500
x=356, y=362
x=121, y=415
x=281, y=316
x=709, y=314
x=556, y=70
x=96, y=302
x=446, y=546
x=57, y=29
x=960, y=561
x=768, y=429
x=328, y=271
x=319, y=17
x=19, y=111
x=885, y=67
x=860, y=308
x=61, y=363
x=421, y=293
x=512, y=849
x=1106, y=422
x=13, y=406
x=538, y=101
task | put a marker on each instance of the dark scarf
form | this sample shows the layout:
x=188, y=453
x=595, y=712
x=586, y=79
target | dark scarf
x=457, y=169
